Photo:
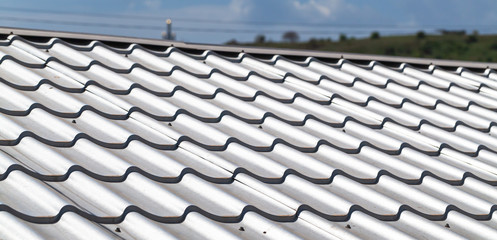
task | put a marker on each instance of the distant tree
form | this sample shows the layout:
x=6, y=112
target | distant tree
x=313, y=43
x=290, y=36
x=452, y=32
x=473, y=37
x=430, y=47
x=420, y=35
x=375, y=35
x=260, y=39
x=343, y=37
x=232, y=42
x=493, y=46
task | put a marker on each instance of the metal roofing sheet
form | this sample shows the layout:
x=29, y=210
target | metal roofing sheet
x=99, y=141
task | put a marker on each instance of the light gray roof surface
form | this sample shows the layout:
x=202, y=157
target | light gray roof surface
x=104, y=140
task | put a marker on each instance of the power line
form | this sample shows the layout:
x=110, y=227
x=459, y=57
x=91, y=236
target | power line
x=74, y=23
x=194, y=20
x=237, y=22
x=103, y=15
x=179, y=29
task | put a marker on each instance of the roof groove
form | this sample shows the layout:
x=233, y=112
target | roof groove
x=228, y=180
x=492, y=123
x=239, y=218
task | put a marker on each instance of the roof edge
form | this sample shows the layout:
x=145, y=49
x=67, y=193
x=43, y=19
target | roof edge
x=247, y=49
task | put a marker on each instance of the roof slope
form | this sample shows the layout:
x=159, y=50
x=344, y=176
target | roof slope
x=126, y=141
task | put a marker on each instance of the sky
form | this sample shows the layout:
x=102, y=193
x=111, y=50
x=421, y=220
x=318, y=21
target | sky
x=218, y=21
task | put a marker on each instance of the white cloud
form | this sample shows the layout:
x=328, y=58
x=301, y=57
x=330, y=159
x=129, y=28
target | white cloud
x=322, y=8
x=234, y=10
x=152, y=4
x=410, y=22
x=241, y=7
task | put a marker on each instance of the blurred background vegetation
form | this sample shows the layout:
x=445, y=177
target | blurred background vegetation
x=456, y=45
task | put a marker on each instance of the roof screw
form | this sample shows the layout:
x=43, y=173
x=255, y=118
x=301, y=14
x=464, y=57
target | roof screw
x=260, y=126
x=46, y=50
x=73, y=121
x=264, y=232
x=169, y=124
x=348, y=226
x=125, y=55
x=241, y=229
x=447, y=225
x=343, y=130
x=117, y=229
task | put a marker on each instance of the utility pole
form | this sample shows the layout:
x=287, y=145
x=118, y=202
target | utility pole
x=169, y=35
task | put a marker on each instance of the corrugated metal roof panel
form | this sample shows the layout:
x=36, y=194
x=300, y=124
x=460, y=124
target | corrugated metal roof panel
x=104, y=142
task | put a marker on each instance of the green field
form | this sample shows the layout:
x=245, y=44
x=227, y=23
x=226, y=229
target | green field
x=471, y=47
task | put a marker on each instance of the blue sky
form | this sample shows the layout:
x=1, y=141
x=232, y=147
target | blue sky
x=217, y=21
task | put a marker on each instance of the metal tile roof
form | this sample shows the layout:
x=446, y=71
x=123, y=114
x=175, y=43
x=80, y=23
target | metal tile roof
x=132, y=141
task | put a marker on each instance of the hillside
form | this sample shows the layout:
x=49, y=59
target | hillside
x=472, y=47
